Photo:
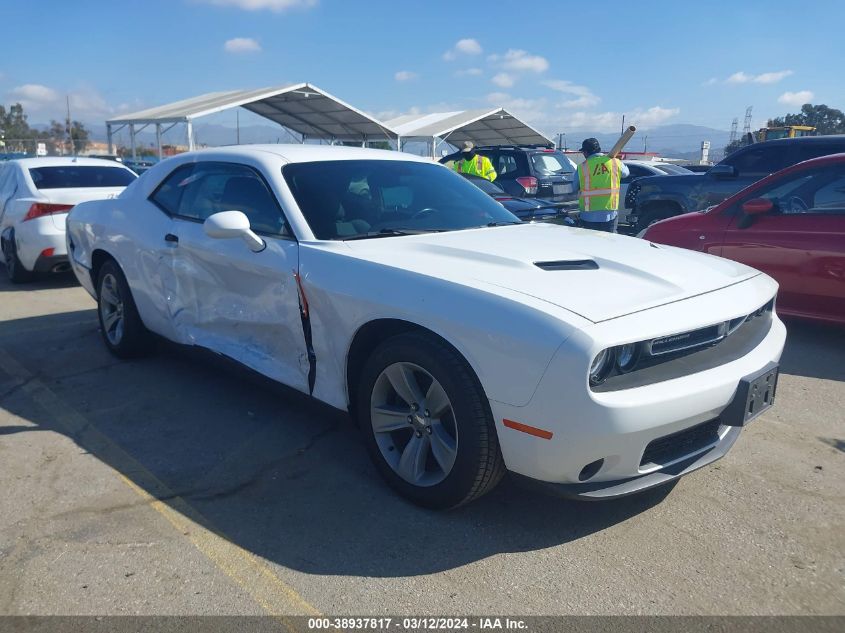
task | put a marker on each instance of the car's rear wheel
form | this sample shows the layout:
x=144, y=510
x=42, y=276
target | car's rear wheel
x=121, y=326
x=427, y=423
x=14, y=269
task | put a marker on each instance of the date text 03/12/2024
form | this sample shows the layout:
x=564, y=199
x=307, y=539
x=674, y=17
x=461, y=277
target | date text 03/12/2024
x=417, y=624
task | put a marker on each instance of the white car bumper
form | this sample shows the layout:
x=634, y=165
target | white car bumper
x=645, y=435
x=40, y=243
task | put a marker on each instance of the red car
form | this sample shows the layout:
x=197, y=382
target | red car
x=790, y=225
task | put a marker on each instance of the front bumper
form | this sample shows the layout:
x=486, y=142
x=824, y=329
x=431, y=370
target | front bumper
x=603, y=490
x=618, y=427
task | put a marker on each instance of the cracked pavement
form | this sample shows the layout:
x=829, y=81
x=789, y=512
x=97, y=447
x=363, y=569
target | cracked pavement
x=176, y=484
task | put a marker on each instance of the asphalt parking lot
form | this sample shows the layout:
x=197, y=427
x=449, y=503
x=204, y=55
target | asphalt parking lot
x=176, y=484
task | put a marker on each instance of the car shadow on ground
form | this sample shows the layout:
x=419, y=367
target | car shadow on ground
x=814, y=350
x=273, y=471
x=41, y=282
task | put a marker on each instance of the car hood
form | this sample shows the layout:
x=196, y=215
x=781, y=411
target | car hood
x=596, y=275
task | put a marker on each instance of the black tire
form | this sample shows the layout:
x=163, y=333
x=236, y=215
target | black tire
x=478, y=465
x=650, y=217
x=133, y=339
x=14, y=269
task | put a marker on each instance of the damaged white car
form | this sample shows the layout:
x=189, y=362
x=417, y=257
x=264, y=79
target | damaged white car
x=465, y=342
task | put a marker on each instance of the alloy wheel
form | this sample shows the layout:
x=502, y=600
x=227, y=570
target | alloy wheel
x=111, y=309
x=414, y=424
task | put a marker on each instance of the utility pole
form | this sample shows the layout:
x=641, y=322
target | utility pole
x=67, y=126
x=238, y=125
x=746, y=128
x=623, y=124
x=645, y=144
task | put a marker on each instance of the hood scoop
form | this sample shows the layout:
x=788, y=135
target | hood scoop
x=569, y=264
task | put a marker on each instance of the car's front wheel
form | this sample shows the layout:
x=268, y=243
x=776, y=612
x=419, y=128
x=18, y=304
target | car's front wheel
x=427, y=422
x=121, y=326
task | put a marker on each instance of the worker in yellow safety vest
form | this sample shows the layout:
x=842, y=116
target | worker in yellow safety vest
x=597, y=183
x=474, y=164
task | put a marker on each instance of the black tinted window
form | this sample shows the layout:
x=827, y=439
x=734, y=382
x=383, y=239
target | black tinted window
x=76, y=176
x=348, y=198
x=169, y=193
x=760, y=161
x=806, y=151
x=198, y=191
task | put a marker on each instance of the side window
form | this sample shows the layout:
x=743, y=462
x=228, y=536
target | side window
x=169, y=193
x=208, y=188
x=506, y=165
x=830, y=197
x=818, y=191
x=758, y=162
x=806, y=151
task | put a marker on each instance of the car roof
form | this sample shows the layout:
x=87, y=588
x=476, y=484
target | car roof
x=800, y=139
x=303, y=153
x=59, y=161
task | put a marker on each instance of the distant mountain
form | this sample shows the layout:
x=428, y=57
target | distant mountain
x=679, y=140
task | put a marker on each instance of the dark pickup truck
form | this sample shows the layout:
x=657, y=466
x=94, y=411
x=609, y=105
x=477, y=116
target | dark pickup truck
x=658, y=197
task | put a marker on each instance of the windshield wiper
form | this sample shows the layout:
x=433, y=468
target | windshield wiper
x=390, y=233
x=504, y=223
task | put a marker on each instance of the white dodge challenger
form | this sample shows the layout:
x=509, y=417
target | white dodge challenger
x=464, y=342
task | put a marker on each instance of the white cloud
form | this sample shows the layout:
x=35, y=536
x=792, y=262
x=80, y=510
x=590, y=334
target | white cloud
x=86, y=103
x=503, y=80
x=739, y=78
x=34, y=93
x=466, y=46
x=796, y=98
x=468, y=72
x=242, y=45
x=520, y=61
x=710, y=82
x=405, y=75
x=276, y=6
x=609, y=121
x=584, y=96
x=771, y=77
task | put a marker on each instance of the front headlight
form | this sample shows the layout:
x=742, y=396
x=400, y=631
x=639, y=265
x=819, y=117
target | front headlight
x=602, y=364
x=627, y=356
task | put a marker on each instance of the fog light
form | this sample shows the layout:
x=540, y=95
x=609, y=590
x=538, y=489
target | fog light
x=590, y=470
x=627, y=356
x=601, y=366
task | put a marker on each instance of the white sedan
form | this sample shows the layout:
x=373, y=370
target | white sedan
x=35, y=197
x=465, y=342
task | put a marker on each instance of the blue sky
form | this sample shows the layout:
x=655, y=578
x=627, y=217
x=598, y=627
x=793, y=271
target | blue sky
x=561, y=65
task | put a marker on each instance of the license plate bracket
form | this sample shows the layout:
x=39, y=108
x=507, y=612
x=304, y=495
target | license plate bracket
x=754, y=395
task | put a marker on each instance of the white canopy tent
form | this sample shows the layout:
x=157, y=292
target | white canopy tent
x=301, y=108
x=482, y=127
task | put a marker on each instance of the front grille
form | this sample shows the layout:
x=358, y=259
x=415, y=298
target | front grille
x=669, y=448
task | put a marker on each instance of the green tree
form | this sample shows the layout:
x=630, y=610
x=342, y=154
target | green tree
x=826, y=120
x=57, y=137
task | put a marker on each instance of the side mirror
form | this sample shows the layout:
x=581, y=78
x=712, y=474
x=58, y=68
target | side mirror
x=751, y=209
x=231, y=224
x=722, y=171
x=757, y=206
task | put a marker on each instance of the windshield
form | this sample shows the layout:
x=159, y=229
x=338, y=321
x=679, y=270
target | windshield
x=74, y=176
x=345, y=199
x=673, y=169
x=548, y=163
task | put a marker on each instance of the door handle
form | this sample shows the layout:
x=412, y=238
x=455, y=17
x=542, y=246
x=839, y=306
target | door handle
x=171, y=238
